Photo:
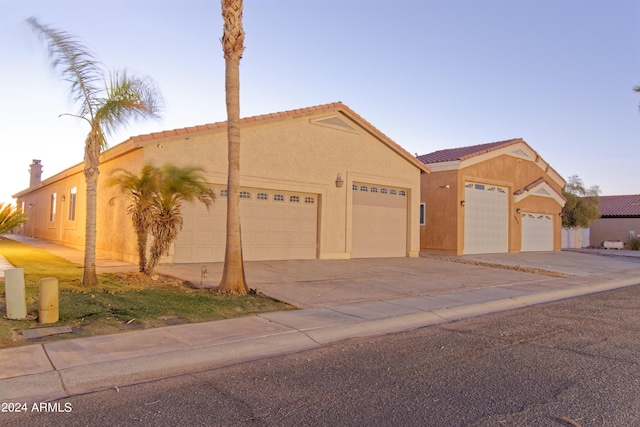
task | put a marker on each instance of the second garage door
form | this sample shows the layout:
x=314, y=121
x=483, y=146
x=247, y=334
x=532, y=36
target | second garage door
x=379, y=221
x=537, y=232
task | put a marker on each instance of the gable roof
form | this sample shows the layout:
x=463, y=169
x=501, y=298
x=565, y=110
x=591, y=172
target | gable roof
x=457, y=158
x=539, y=187
x=620, y=206
x=335, y=107
x=463, y=153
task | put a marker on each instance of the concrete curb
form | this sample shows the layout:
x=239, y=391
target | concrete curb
x=41, y=380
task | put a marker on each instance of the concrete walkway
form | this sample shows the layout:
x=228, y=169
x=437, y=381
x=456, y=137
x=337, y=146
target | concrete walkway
x=339, y=299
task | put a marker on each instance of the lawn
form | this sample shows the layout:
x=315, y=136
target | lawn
x=121, y=302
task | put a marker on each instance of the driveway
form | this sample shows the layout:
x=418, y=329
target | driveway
x=323, y=283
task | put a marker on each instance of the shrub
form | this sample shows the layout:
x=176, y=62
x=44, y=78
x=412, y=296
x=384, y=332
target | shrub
x=633, y=244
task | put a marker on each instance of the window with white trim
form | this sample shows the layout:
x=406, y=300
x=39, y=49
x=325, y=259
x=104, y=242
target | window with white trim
x=278, y=198
x=262, y=196
x=245, y=195
x=294, y=199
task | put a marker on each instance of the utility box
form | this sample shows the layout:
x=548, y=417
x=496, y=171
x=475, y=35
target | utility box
x=15, y=293
x=48, y=300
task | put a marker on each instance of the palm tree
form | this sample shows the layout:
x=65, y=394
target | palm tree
x=10, y=217
x=141, y=191
x=233, y=279
x=175, y=185
x=105, y=104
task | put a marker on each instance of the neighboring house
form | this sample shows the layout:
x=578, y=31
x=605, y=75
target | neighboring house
x=620, y=219
x=490, y=198
x=318, y=182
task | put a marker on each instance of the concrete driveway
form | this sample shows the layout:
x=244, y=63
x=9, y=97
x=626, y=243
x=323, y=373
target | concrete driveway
x=323, y=283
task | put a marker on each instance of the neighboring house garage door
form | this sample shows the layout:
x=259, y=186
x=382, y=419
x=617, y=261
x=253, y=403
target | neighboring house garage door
x=486, y=219
x=537, y=232
x=276, y=225
x=379, y=221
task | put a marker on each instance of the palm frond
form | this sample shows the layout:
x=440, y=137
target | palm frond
x=75, y=62
x=128, y=98
x=10, y=217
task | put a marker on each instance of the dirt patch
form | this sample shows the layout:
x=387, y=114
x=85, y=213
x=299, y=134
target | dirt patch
x=501, y=266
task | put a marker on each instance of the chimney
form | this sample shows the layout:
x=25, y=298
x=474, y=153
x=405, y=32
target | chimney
x=35, y=170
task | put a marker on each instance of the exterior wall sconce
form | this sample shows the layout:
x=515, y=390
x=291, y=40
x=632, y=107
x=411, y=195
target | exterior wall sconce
x=518, y=210
x=63, y=198
x=444, y=186
x=462, y=203
x=339, y=181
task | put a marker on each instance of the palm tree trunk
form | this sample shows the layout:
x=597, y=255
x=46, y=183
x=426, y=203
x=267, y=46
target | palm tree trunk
x=91, y=164
x=233, y=278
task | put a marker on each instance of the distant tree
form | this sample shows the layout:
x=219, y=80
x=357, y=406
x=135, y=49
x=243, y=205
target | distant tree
x=582, y=206
x=140, y=190
x=175, y=186
x=10, y=217
x=105, y=102
x=233, y=278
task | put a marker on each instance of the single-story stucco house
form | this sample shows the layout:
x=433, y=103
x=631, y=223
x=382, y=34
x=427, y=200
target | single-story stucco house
x=619, y=220
x=318, y=182
x=490, y=198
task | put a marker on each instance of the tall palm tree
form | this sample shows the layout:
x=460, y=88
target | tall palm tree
x=233, y=279
x=10, y=217
x=105, y=104
x=141, y=191
x=175, y=185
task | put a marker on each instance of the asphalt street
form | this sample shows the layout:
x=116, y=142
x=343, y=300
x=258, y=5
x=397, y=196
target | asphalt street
x=574, y=362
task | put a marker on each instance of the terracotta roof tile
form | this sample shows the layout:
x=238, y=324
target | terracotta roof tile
x=625, y=205
x=463, y=153
x=284, y=114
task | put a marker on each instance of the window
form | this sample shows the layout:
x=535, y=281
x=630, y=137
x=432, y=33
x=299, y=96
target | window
x=354, y=187
x=72, y=203
x=423, y=213
x=278, y=198
x=309, y=200
x=223, y=193
x=52, y=208
x=402, y=193
x=263, y=196
x=294, y=199
x=363, y=188
x=374, y=189
x=245, y=195
x=383, y=191
x=393, y=192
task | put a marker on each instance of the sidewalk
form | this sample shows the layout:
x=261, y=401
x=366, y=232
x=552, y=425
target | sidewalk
x=340, y=299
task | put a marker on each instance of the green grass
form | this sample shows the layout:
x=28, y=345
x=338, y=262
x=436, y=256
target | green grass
x=121, y=302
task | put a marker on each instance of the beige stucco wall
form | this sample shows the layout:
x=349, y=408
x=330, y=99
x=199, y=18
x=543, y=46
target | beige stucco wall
x=444, y=230
x=612, y=229
x=291, y=154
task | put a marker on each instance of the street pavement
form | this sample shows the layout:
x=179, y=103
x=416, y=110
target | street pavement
x=339, y=299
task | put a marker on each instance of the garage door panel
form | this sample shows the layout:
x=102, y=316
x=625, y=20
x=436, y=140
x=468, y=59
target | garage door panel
x=537, y=232
x=273, y=228
x=379, y=222
x=486, y=220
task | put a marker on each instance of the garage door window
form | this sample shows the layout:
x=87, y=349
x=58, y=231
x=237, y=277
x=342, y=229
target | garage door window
x=278, y=198
x=262, y=196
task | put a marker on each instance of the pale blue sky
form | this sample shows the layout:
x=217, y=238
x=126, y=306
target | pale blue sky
x=429, y=74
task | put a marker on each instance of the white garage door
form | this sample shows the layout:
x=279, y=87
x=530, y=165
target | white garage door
x=537, y=232
x=486, y=219
x=379, y=221
x=276, y=225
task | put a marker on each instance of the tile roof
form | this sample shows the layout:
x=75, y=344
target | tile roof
x=625, y=205
x=334, y=106
x=463, y=153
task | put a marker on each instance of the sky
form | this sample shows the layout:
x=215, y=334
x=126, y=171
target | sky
x=429, y=74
